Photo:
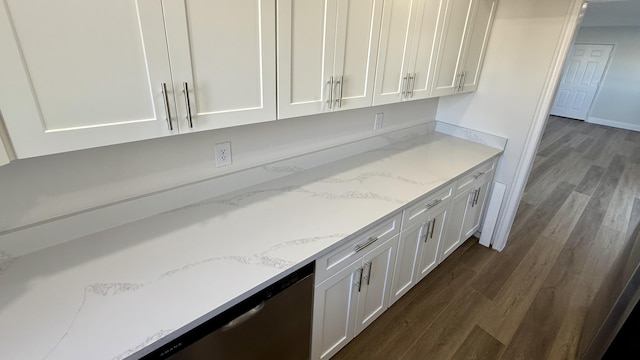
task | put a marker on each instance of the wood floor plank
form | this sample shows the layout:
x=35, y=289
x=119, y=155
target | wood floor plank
x=590, y=180
x=604, y=251
x=512, y=302
x=551, y=148
x=548, y=164
x=618, y=213
x=447, y=333
x=571, y=169
x=479, y=345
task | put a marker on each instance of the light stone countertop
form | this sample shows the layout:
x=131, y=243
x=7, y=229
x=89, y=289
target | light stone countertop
x=110, y=294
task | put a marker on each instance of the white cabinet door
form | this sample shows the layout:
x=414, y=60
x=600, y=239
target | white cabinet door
x=431, y=241
x=223, y=52
x=79, y=74
x=376, y=283
x=466, y=214
x=404, y=274
x=326, y=54
x=448, y=68
x=334, y=311
x=357, y=37
x=406, y=57
x=425, y=41
x=477, y=44
x=463, y=40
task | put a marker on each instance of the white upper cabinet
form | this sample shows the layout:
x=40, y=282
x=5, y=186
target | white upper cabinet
x=408, y=40
x=463, y=40
x=223, y=53
x=78, y=74
x=326, y=55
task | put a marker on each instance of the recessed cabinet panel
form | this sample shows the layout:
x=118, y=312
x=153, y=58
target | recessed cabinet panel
x=398, y=20
x=225, y=53
x=451, y=49
x=306, y=32
x=376, y=283
x=478, y=40
x=431, y=241
x=356, y=50
x=425, y=45
x=404, y=273
x=78, y=74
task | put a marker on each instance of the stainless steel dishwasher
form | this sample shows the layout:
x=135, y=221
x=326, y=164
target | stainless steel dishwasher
x=275, y=323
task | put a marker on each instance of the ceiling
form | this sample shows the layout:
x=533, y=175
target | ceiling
x=612, y=13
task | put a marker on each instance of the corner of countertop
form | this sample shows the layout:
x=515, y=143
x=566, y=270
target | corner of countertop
x=476, y=136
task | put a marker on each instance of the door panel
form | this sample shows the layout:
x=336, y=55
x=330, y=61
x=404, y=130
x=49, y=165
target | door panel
x=425, y=46
x=431, y=242
x=334, y=311
x=358, y=32
x=376, y=283
x=225, y=51
x=404, y=273
x=398, y=20
x=306, y=44
x=80, y=74
x=584, y=69
x=450, y=49
x=478, y=39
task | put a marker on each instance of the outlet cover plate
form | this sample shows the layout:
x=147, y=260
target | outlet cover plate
x=223, y=154
x=377, y=124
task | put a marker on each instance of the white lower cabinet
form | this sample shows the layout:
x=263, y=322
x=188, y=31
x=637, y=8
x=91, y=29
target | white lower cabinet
x=466, y=210
x=423, y=228
x=351, y=299
x=358, y=281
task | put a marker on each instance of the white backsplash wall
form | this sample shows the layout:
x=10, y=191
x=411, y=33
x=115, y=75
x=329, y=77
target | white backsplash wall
x=38, y=189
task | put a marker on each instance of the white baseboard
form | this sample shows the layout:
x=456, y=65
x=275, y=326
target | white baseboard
x=613, y=123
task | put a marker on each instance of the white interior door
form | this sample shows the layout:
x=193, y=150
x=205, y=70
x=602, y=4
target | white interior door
x=581, y=76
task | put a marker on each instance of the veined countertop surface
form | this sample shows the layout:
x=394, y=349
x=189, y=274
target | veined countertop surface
x=110, y=294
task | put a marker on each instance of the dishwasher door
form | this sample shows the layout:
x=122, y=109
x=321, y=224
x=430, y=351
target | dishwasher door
x=277, y=325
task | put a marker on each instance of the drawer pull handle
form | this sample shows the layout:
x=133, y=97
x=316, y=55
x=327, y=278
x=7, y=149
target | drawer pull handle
x=426, y=233
x=433, y=203
x=369, y=241
x=368, y=276
x=476, y=176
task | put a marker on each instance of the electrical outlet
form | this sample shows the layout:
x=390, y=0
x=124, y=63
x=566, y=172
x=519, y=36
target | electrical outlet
x=377, y=124
x=223, y=154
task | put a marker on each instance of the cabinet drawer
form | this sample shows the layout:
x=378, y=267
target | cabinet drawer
x=476, y=175
x=412, y=215
x=346, y=254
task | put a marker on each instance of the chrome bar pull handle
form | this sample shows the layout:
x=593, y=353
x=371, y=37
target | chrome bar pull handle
x=359, y=282
x=473, y=196
x=185, y=89
x=462, y=78
x=405, y=80
x=413, y=84
x=330, y=99
x=475, y=201
x=433, y=203
x=433, y=228
x=368, y=277
x=425, y=233
x=166, y=106
x=369, y=241
x=340, y=83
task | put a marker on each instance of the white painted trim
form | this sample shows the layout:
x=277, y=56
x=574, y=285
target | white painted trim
x=476, y=136
x=27, y=239
x=493, y=210
x=571, y=22
x=613, y=123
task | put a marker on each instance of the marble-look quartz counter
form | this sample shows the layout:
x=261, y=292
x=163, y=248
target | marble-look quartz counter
x=110, y=294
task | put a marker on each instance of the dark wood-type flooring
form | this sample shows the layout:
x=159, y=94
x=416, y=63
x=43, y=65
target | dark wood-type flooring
x=547, y=293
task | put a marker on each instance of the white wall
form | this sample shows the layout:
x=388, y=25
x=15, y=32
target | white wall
x=519, y=66
x=38, y=189
x=616, y=103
